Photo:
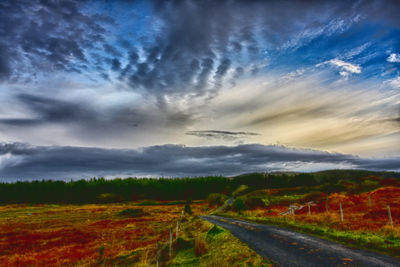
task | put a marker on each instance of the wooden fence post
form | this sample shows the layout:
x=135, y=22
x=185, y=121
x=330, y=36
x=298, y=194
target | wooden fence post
x=158, y=247
x=341, y=211
x=145, y=257
x=291, y=208
x=177, y=229
x=390, y=215
x=170, y=243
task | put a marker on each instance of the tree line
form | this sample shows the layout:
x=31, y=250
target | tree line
x=98, y=190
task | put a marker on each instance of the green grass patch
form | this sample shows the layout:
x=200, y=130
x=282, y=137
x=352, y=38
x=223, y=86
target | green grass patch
x=218, y=247
x=215, y=230
x=185, y=257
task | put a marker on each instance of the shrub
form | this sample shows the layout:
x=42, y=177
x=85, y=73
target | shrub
x=238, y=204
x=390, y=182
x=254, y=202
x=131, y=213
x=227, y=190
x=182, y=244
x=200, y=247
x=216, y=199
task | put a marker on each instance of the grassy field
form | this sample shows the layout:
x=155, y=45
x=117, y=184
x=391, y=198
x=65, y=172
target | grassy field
x=115, y=235
x=126, y=233
x=84, y=235
x=365, y=216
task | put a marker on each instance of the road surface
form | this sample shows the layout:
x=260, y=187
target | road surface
x=289, y=248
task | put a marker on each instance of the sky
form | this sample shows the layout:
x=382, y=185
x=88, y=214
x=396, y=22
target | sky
x=190, y=88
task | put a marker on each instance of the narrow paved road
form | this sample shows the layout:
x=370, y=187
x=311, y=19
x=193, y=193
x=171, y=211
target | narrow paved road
x=290, y=248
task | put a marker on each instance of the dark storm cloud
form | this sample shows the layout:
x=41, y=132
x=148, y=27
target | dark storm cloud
x=47, y=110
x=46, y=36
x=225, y=135
x=91, y=121
x=22, y=161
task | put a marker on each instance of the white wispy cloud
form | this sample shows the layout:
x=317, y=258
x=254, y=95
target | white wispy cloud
x=394, y=58
x=346, y=68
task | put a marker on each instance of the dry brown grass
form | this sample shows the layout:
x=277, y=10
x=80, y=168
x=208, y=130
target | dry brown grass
x=200, y=247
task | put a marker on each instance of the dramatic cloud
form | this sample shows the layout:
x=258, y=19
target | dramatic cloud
x=199, y=42
x=21, y=161
x=128, y=74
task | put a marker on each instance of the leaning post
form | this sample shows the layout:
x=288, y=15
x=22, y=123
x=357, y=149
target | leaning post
x=341, y=211
x=390, y=215
x=170, y=243
x=177, y=229
x=157, y=254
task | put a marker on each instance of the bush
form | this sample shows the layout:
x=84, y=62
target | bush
x=238, y=204
x=132, y=213
x=200, y=247
x=182, y=244
x=254, y=202
x=389, y=182
x=216, y=199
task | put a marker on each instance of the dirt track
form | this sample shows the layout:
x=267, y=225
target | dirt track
x=290, y=248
